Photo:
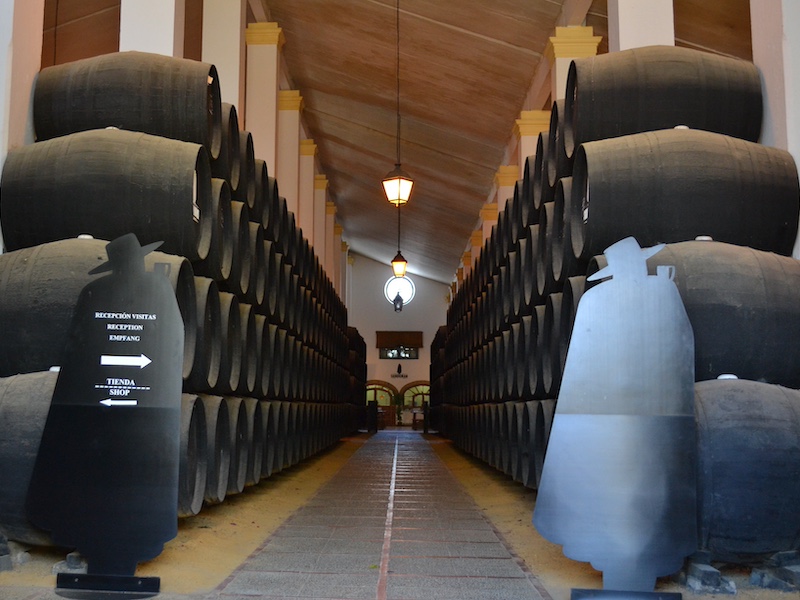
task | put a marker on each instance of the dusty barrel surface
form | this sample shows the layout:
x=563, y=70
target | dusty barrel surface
x=108, y=183
x=660, y=87
x=40, y=286
x=744, y=307
x=675, y=185
x=24, y=404
x=137, y=91
x=748, y=488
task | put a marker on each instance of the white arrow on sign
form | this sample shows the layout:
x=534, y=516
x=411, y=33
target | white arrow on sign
x=110, y=402
x=110, y=360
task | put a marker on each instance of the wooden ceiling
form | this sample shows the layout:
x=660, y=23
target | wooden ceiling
x=466, y=67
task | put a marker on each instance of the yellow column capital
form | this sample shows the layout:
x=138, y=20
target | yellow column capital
x=506, y=176
x=337, y=229
x=330, y=208
x=308, y=148
x=489, y=212
x=532, y=122
x=476, y=239
x=345, y=247
x=264, y=34
x=320, y=182
x=572, y=42
x=290, y=100
x=466, y=258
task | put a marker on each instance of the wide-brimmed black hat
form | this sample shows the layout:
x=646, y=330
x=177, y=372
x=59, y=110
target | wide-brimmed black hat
x=122, y=250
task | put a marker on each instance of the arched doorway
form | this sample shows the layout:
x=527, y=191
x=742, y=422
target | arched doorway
x=399, y=407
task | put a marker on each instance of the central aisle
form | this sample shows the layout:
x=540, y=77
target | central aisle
x=392, y=524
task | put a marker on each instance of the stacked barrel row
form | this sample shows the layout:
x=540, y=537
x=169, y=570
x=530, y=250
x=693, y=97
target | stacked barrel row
x=133, y=142
x=618, y=162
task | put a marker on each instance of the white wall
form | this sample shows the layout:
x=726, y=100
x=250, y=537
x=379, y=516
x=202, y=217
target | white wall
x=369, y=311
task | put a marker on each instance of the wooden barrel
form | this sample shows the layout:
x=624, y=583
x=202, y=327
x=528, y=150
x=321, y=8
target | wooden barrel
x=231, y=356
x=193, y=464
x=558, y=163
x=217, y=265
x=573, y=290
x=542, y=191
x=267, y=416
x=205, y=366
x=744, y=307
x=251, y=359
x=246, y=191
x=255, y=436
x=239, y=281
x=108, y=183
x=527, y=215
x=240, y=437
x=548, y=228
x=262, y=187
x=271, y=357
x=24, y=404
x=748, y=481
x=219, y=447
x=551, y=336
x=270, y=215
x=675, y=185
x=227, y=165
x=165, y=96
x=563, y=263
x=39, y=288
x=256, y=288
x=660, y=87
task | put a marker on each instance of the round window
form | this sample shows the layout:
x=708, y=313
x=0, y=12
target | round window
x=402, y=285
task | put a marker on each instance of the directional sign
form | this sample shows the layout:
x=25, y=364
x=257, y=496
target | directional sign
x=110, y=402
x=106, y=477
x=140, y=361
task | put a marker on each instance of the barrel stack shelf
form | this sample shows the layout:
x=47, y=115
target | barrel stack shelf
x=667, y=155
x=141, y=143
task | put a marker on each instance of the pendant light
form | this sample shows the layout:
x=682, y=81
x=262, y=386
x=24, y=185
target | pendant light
x=397, y=184
x=398, y=262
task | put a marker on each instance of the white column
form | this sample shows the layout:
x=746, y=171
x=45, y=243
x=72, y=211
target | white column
x=330, y=221
x=287, y=169
x=224, y=23
x=566, y=44
x=637, y=23
x=21, y=26
x=152, y=26
x=320, y=211
x=776, y=52
x=305, y=213
x=527, y=128
x=505, y=179
x=264, y=42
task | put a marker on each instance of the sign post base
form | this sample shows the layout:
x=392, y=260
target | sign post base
x=101, y=587
x=587, y=594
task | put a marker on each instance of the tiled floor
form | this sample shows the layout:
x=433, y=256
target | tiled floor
x=392, y=524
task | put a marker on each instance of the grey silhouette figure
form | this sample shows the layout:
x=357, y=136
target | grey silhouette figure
x=618, y=484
